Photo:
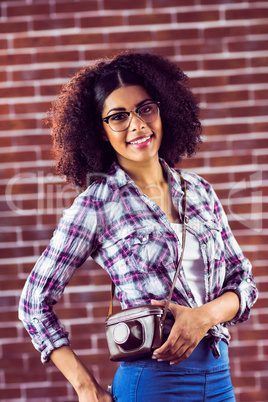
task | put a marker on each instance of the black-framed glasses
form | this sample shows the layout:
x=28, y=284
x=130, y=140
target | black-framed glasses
x=120, y=121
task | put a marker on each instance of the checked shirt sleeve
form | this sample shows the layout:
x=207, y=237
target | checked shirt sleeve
x=238, y=278
x=72, y=242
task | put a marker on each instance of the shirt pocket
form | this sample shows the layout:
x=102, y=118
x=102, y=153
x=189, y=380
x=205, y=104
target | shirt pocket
x=150, y=249
x=215, y=241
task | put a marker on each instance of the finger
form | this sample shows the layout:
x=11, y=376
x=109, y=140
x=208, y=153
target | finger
x=158, y=302
x=182, y=357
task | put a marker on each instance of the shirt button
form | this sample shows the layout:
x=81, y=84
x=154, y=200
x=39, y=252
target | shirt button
x=248, y=280
x=144, y=239
x=203, y=246
x=35, y=320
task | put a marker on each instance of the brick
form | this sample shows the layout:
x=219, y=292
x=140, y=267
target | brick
x=17, y=157
x=34, y=42
x=53, y=23
x=248, y=111
x=230, y=160
x=7, y=238
x=227, y=129
x=11, y=393
x=13, y=59
x=254, y=365
x=9, y=316
x=44, y=392
x=259, y=61
x=247, y=46
x=3, y=44
x=18, y=220
x=243, y=381
x=33, y=140
x=261, y=94
x=16, y=92
x=34, y=234
x=123, y=4
x=82, y=39
x=11, y=362
x=8, y=269
x=20, y=124
x=101, y=21
x=76, y=7
x=200, y=82
x=223, y=32
x=224, y=64
x=32, y=74
x=13, y=27
x=67, y=72
x=254, y=78
x=172, y=3
x=258, y=29
x=253, y=396
x=5, y=141
x=211, y=113
x=198, y=16
x=53, y=56
x=149, y=19
x=36, y=107
x=201, y=48
x=21, y=376
x=99, y=53
x=247, y=351
x=48, y=90
x=118, y=37
x=90, y=297
x=227, y=96
x=260, y=127
x=4, y=109
x=247, y=13
x=35, y=9
x=176, y=34
x=263, y=287
x=213, y=2
x=15, y=252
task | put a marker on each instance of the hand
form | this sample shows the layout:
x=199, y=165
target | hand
x=190, y=327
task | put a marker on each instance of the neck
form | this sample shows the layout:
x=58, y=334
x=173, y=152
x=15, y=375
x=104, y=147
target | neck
x=145, y=174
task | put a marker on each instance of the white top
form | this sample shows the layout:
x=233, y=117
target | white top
x=193, y=264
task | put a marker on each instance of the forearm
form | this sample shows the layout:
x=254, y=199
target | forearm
x=221, y=309
x=74, y=371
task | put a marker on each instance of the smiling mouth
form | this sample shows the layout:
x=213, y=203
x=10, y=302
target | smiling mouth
x=144, y=139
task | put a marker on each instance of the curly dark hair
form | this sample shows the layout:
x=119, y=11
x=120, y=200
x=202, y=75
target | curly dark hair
x=75, y=117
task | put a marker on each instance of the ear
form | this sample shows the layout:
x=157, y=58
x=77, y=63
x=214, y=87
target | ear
x=104, y=136
x=103, y=132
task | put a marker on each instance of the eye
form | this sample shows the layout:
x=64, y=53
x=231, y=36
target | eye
x=119, y=117
x=147, y=109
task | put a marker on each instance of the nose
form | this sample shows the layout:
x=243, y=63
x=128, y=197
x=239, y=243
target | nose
x=135, y=122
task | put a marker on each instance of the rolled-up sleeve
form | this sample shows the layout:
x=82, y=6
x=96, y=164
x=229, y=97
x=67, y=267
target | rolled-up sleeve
x=72, y=243
x=238, y=278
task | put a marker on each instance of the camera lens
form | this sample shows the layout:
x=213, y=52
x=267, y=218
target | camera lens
x=128, y=334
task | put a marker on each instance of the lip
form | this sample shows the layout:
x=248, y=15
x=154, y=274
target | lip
x=142, y=137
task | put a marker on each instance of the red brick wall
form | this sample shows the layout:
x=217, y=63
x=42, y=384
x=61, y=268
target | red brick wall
x=223, y=46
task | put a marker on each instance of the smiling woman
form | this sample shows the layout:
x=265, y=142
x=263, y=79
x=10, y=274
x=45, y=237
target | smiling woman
x=140, y=140
x=119, y=126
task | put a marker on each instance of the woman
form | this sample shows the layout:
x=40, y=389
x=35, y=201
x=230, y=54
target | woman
x=119, y=127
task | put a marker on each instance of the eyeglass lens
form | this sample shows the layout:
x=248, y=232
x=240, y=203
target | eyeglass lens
x=147, y=113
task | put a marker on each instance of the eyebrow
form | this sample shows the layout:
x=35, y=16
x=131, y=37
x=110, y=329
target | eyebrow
x=123, y=109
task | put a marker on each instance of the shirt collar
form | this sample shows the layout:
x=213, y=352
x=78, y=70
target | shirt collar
x=118, y=178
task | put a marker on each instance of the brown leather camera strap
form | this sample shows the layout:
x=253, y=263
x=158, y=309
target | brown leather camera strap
x=185, y=221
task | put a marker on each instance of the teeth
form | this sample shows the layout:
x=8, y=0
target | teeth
x=140, y=141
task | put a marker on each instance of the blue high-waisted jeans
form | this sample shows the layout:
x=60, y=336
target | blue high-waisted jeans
x=199, y=378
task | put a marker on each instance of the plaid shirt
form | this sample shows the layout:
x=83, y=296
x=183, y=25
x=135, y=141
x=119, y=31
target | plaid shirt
x=131, y=238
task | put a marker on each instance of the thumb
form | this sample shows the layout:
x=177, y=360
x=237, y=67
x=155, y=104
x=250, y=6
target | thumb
x=158, y=302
